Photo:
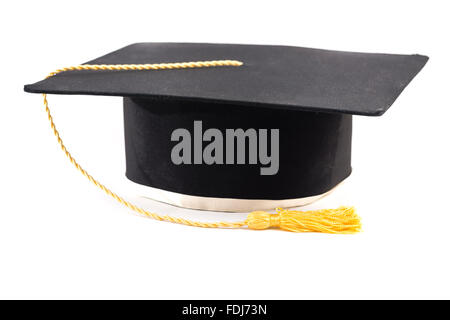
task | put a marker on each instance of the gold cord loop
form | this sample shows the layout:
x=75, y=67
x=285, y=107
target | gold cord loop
x=341, y=220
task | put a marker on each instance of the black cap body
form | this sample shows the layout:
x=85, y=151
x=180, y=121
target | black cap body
x=287, y=154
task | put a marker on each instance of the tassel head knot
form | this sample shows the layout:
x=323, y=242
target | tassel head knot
x=260, y=220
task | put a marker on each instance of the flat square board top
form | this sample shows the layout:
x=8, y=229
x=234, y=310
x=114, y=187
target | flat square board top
x=271, y=76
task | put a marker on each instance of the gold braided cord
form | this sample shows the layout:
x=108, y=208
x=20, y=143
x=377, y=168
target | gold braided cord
x=199, y=64
x=342, y=220
x=153, y=66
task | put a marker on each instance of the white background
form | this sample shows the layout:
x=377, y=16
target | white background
x=62, y=238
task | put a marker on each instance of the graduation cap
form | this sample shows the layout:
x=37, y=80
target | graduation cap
x=239, y=127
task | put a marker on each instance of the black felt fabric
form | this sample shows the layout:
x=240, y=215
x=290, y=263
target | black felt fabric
x=315, y=150
x=272, y=76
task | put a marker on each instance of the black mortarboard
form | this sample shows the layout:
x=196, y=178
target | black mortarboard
x=274, y=131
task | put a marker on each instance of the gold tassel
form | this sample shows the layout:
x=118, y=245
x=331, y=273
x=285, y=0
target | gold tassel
x=343, y=220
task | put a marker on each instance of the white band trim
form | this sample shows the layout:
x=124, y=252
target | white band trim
x=222, y=204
